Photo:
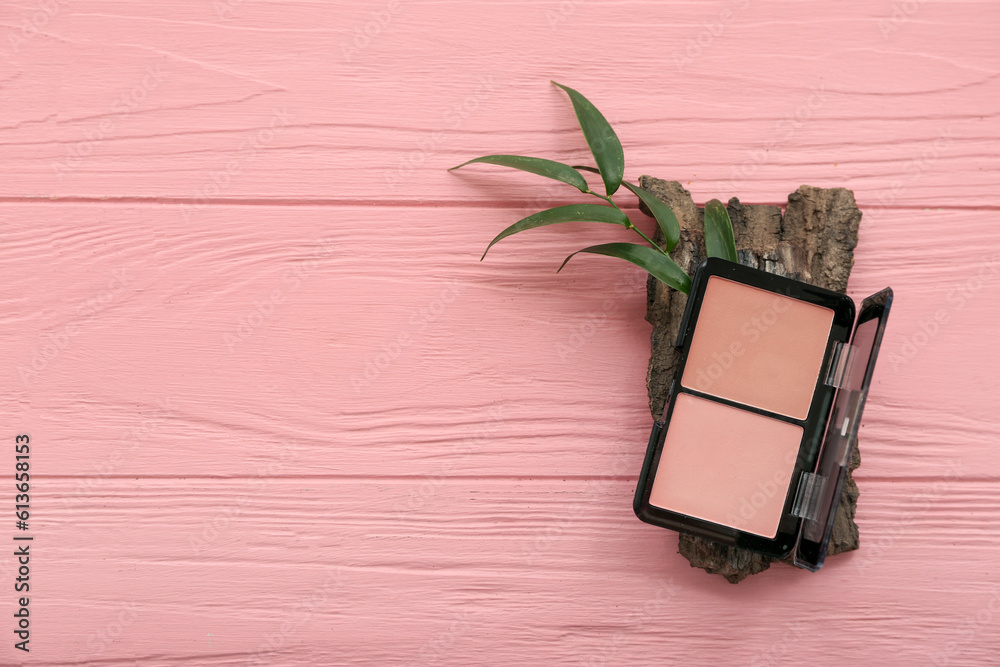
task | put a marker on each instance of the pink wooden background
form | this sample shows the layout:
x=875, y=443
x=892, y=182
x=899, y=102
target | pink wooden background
x=281, y=414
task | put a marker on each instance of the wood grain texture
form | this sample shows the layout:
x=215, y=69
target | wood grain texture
x=356, y=119
x=283, y=416
x=474, y=581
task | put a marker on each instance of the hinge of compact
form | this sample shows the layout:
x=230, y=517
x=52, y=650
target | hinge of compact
x=840, y=364
x=806, y=503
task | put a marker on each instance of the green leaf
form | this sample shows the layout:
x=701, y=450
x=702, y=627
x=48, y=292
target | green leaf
x=601, y=138
x=653, y=261
x=536, y=165
x=719, y=240
x=665, y=217
x=571, y=213
x=583, y=167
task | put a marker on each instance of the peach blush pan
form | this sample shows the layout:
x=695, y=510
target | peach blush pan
x=757, y=348
x=726, y=465
x=763, y=412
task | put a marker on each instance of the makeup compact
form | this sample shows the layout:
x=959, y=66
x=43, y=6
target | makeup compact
x=754, y=442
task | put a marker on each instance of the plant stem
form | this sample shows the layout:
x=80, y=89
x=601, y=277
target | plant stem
x=639, y=232
x=630, y=225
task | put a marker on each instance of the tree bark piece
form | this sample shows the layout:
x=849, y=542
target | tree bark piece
x=813, y=242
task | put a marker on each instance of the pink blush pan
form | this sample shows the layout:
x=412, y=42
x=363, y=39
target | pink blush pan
x=757, y=348
x=726, y=465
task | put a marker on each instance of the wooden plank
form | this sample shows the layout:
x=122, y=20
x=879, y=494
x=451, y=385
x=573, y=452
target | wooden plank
x=139, y=349
x=334, y=562
x=417, y=458
x=172, y=104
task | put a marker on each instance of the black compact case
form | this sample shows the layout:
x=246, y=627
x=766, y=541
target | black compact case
x=828, y=430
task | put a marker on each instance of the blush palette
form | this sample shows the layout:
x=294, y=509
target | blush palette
x=755, y=439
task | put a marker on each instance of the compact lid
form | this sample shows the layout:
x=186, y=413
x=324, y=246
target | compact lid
x=818, y=494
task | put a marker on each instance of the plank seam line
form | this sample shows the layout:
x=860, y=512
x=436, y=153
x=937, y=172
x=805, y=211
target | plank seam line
x=400, y=203
x=468, y=478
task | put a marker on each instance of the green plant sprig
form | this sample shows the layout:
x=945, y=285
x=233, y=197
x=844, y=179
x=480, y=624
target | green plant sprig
x=610, y=159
